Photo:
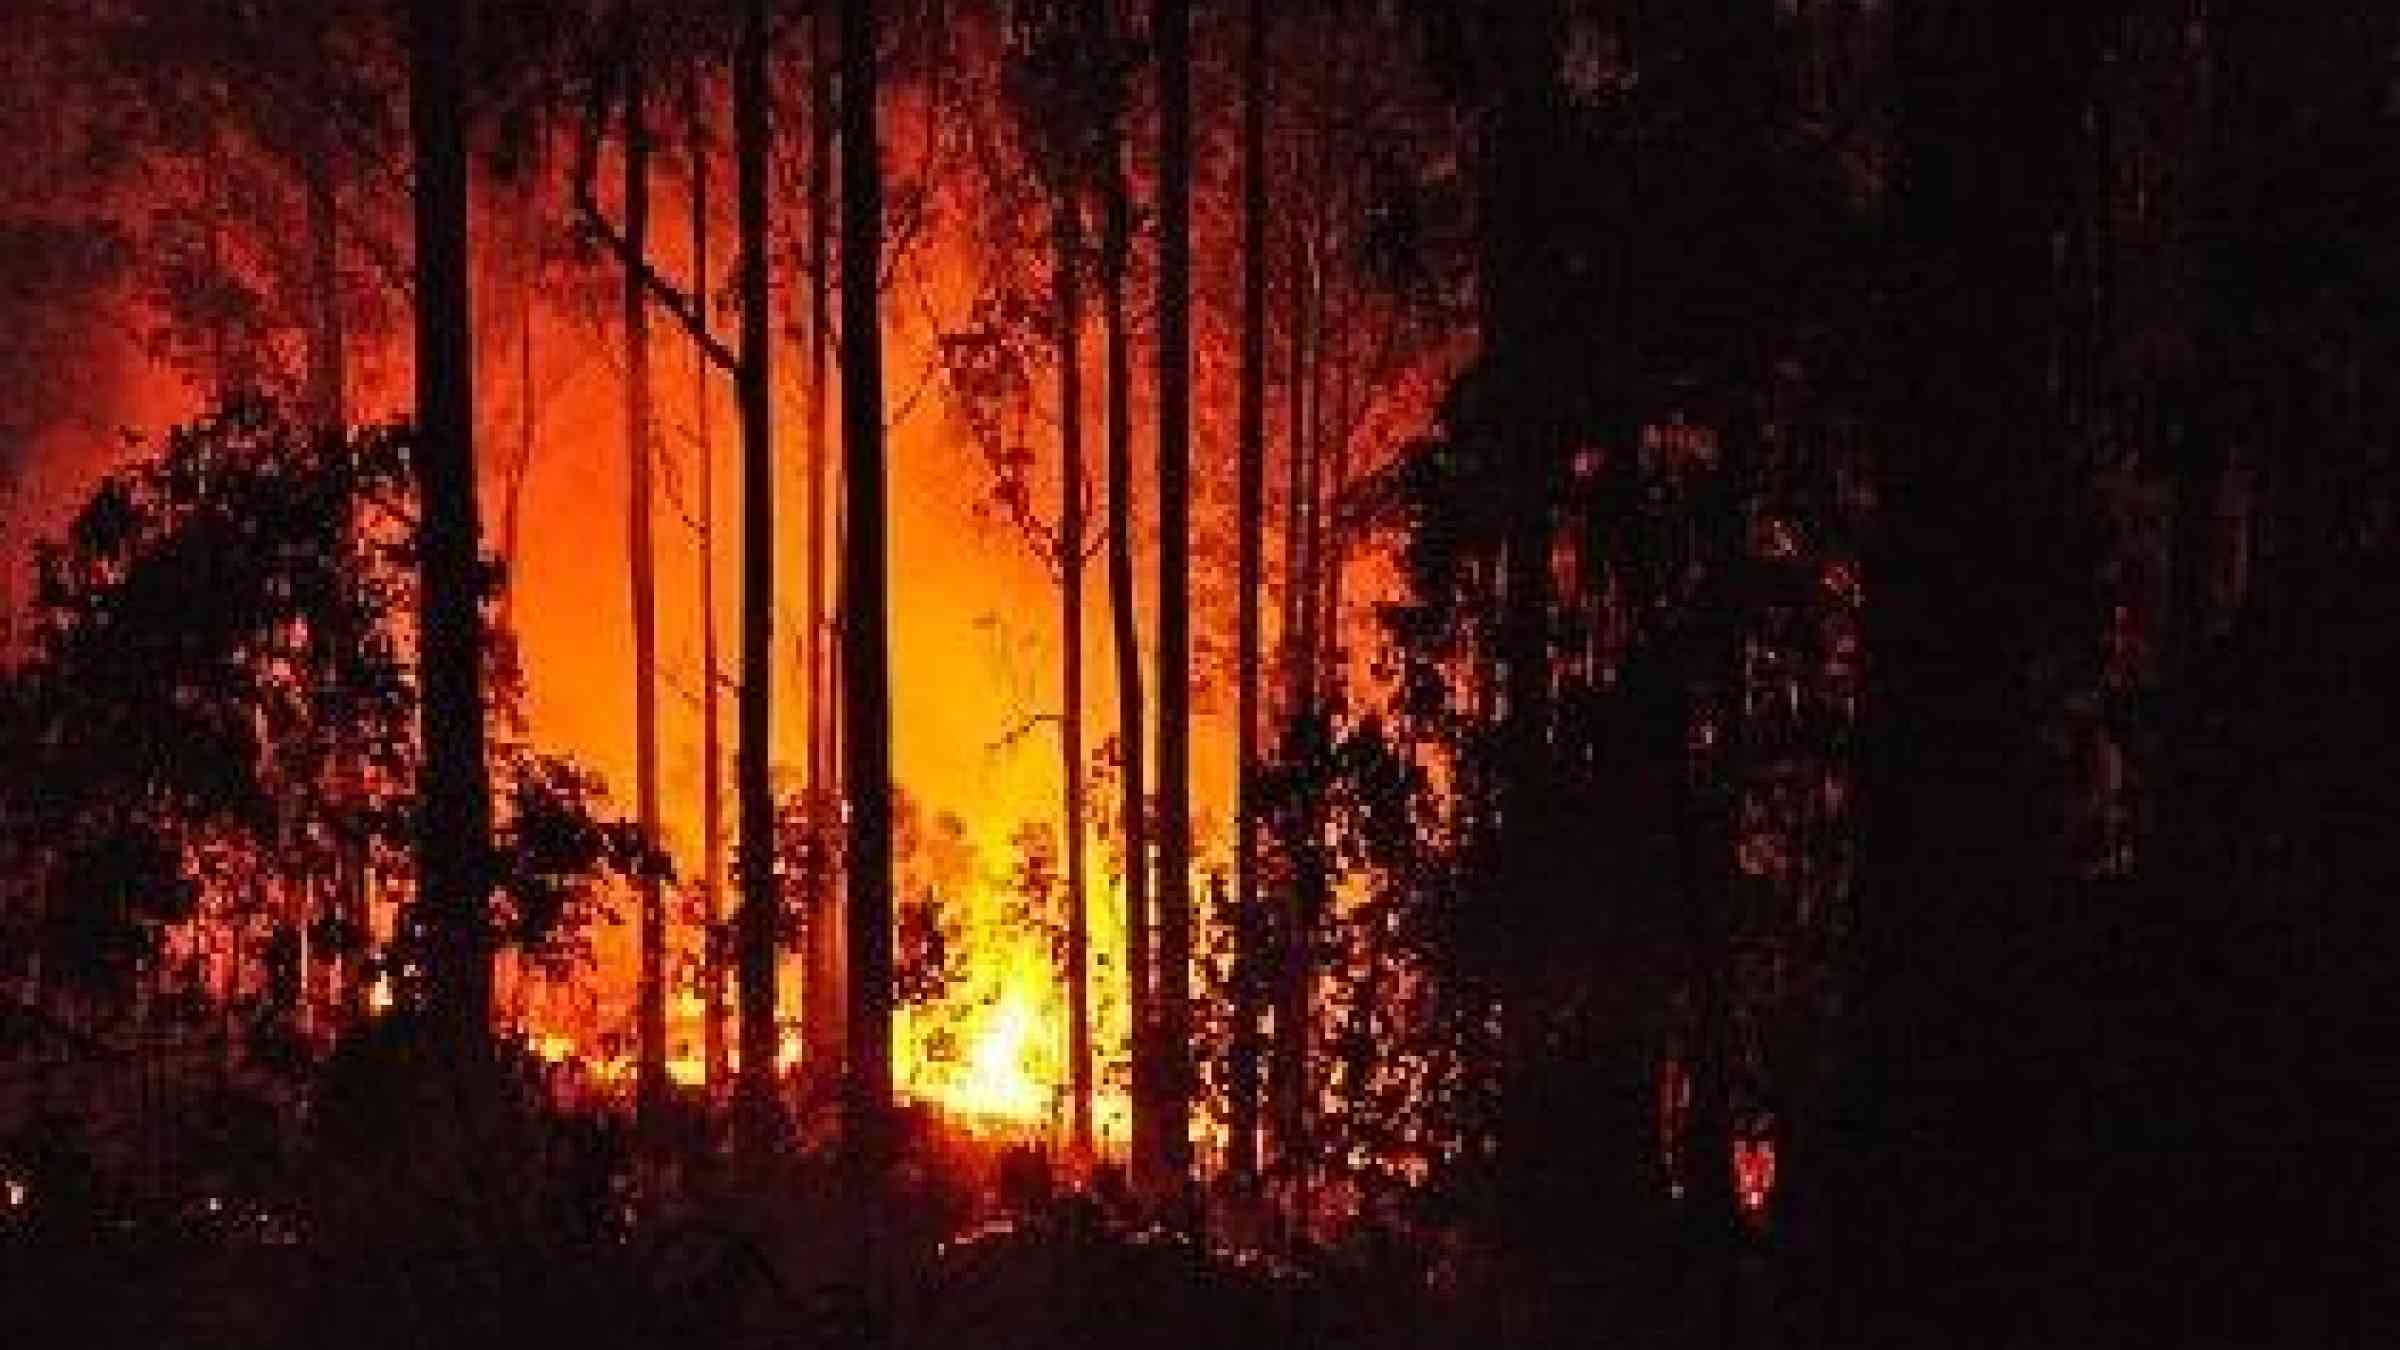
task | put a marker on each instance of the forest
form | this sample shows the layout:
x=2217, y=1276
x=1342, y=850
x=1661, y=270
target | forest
x=1406, y=674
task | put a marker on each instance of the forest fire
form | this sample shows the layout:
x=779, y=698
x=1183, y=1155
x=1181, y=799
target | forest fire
x=995, y=1082
x=1201, y=673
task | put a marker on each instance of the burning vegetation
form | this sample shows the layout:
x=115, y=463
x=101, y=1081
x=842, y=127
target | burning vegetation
x=1409, y=673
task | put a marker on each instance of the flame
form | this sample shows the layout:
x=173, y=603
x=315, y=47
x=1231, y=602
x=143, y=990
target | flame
x=974, y=631
x=997, y=1081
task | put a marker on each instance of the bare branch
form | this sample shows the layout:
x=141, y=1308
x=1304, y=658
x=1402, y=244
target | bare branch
x=669, y=297
x=1020, y=729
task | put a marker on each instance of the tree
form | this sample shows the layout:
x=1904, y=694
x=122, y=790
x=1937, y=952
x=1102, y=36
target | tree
x=1132, y=733
x=756, y=921
x=1369, y=288
x=1072, y=491
x=219, y=691
x=866, y=655
x=1039, y=169
x=277, y=125
x=821, y=1022
x=1242, y=1113
x=455, y=851
x=651, y=994
x=1173, y=29
x=714, y=965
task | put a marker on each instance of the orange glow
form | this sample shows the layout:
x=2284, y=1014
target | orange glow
x=975, y=617
x=997, y=1081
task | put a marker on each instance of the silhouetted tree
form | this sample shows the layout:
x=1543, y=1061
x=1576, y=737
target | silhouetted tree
x=1132, y=733
x=455, y=861
x=755, y=924
x=866, y=656
x=651, y=990
x=715, y=965
x=821, y=1023
x=1242, y=1085
x=220, y=689
x=1172, y=22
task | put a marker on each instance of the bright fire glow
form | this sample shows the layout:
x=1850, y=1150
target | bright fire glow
x=974, y=630
x=996, y=1082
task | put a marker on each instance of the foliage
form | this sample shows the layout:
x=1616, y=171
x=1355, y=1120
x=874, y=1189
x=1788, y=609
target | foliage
x=220, y=693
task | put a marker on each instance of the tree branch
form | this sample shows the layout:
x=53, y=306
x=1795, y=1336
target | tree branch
x=1022, y=728
x=668, y=296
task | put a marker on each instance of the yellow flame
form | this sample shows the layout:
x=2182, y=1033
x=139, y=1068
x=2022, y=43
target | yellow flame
x=997, y=1081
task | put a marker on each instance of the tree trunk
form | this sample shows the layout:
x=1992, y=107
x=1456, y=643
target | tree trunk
x=1327, y=669
x=754, y=392
x=1242, y=1111
x=821, y=1017
x=712, y=753
x=1287, y=1055
x=1125, y=619
x=1296, y=570
x=454, y=857
x=1070, y=588
x=866, y=672
x=651, y=993
x=1174, y=591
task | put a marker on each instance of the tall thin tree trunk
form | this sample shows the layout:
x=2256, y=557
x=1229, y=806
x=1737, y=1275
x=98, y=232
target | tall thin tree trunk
x=454, y=858
x=1242, y=1111
x=1070, y=588
x=1174, y=590
x=712, y=752
x=1297, y=476
x=1287, y=1057
x=821, y=1020
x=866, y=671
x=1310, y=882
x=754, y=391
x=1124, y=614
x=651, y=993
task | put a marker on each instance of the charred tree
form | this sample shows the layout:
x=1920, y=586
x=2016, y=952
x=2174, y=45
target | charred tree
x=1243, y=1078
x=753, y=392
x=455, y=848
x=715, y=1049
x=1116, y=246
x=1069, y=244
x=866, y=656
x=1286, y=975
x=821, y=1014
x=651, y=992
x=1173, y=1013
